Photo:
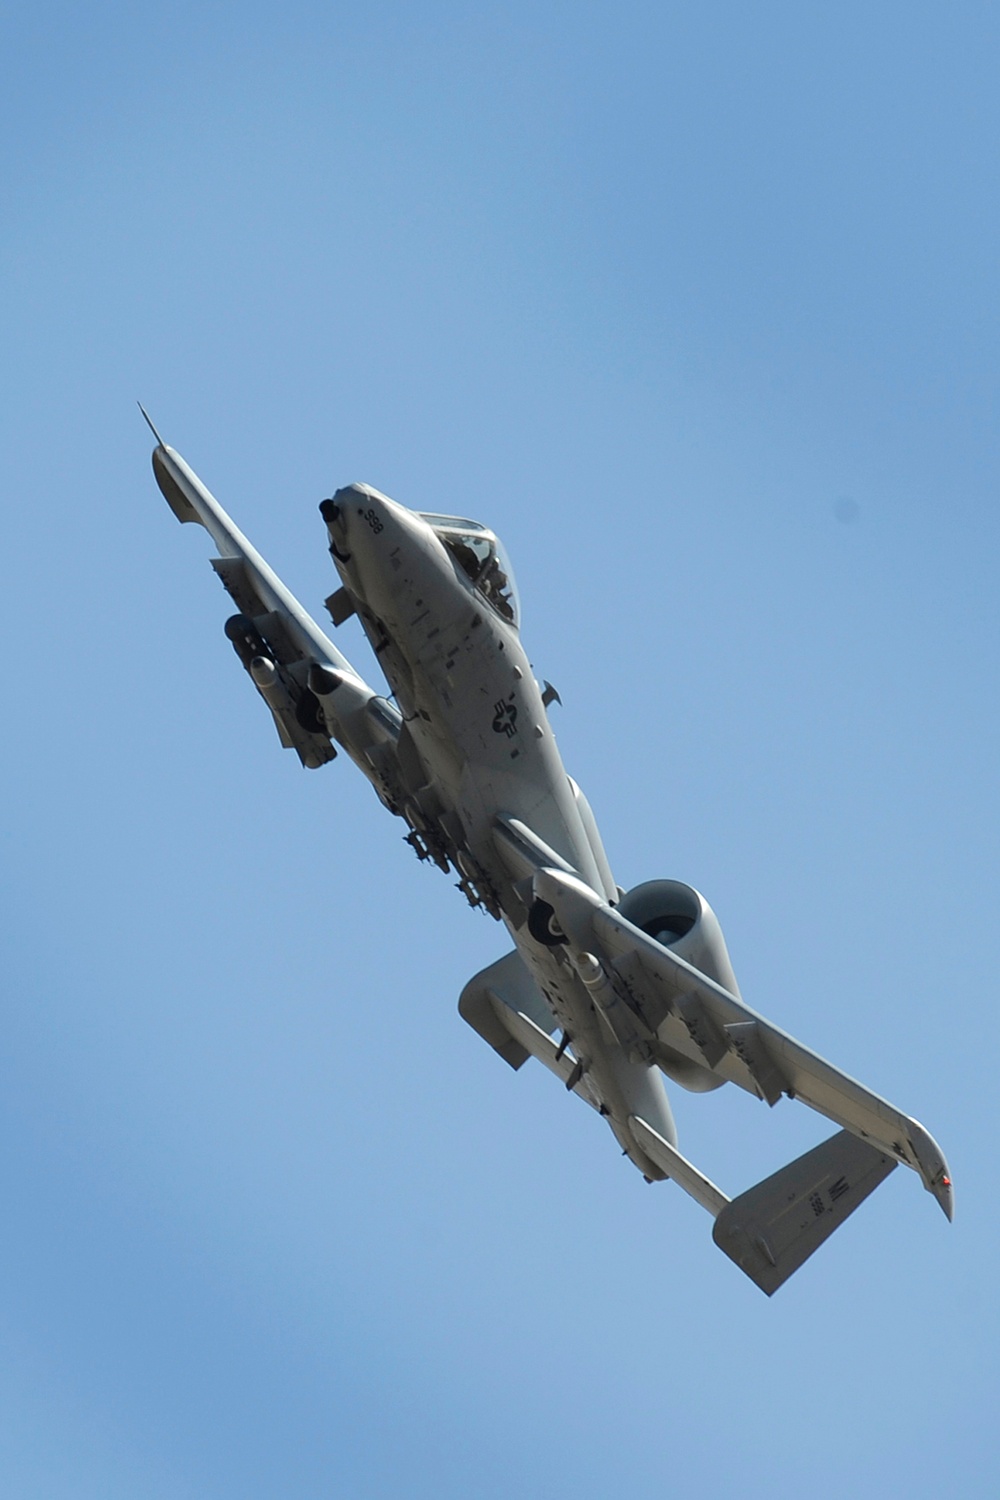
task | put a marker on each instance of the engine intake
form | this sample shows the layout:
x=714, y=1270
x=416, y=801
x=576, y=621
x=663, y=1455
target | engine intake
x=680, y=918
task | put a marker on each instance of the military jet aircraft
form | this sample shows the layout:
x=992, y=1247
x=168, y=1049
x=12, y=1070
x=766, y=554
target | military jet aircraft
x=611, y=990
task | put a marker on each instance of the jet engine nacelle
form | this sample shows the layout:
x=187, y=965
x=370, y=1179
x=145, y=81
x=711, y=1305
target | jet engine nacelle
x=680, y=918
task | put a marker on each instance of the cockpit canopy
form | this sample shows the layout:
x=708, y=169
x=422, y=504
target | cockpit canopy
x=481, y=556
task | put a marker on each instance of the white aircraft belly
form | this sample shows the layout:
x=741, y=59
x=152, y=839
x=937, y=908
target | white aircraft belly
x=622, y=1087
x=480, y=726
x=482, y=732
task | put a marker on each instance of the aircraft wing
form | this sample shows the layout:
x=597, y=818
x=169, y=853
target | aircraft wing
x=685, y=1011
x=314, y=694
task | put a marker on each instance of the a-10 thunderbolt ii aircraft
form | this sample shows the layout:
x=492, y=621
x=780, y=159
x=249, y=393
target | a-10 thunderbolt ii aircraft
x=609, y=989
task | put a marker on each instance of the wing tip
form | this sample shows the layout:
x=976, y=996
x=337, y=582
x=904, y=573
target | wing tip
x=933, y=1167
x=165, y=473
x=944, y=1192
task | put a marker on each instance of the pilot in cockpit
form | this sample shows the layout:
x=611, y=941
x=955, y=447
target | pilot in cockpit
x=482, y=559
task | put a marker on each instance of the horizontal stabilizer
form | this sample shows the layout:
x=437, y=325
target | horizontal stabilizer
x=773, y=1228
x=683, y=1172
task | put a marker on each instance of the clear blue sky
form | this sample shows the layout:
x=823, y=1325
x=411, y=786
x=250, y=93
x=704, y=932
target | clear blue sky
x=697, y=305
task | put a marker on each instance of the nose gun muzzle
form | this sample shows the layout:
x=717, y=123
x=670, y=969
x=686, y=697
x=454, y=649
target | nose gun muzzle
x=334, y=518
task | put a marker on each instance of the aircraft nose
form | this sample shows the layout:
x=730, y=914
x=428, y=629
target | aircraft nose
x=335, y=513
x=352, y=514
x=358, y=503
x=344, y=504
x=364, y=527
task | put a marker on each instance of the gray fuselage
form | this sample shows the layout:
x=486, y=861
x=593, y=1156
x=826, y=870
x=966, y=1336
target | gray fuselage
x=479, y=754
